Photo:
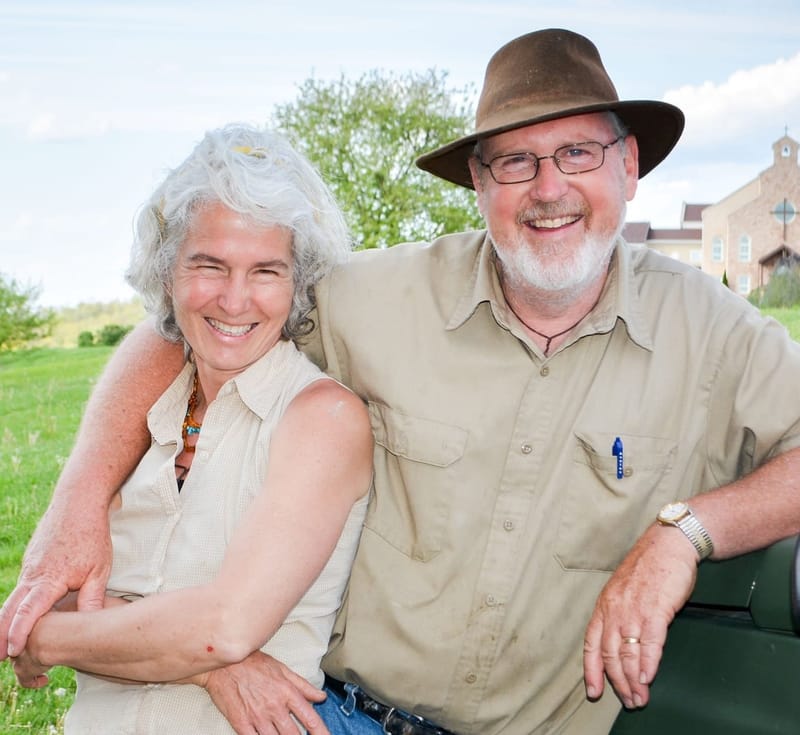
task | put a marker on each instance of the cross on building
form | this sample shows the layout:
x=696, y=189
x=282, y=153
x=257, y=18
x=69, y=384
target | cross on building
x=784, y=213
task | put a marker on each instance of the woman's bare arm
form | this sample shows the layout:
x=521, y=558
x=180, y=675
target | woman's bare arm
x=320, y=463
x=70, y=549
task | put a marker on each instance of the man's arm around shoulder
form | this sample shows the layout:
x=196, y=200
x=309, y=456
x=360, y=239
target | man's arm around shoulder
x=71, y=549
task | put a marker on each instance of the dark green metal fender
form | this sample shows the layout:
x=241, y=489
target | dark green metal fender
x=731, y=665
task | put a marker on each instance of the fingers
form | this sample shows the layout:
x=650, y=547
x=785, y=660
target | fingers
x=650, y=654
x=262, y=695
x=621, y=658
x=628, y=655
x=305, y=713
x=7, y=613
x=593, y=666
x=33, y=602
x=92, y=595
x=618, y=659
x=626, y=634
x=34, y=681
x=282, y=726
x=308, y=691
x=29, y=674
x=298, y=703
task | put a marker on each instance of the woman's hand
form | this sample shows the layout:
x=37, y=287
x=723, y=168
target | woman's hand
x=30, y=673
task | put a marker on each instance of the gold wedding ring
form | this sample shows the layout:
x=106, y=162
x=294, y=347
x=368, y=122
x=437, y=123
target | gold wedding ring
x=630, y=639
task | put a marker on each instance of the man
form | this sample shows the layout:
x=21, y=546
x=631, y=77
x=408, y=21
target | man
x=537, y=393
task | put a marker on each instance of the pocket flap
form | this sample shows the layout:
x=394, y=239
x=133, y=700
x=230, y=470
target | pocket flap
x=415, y=438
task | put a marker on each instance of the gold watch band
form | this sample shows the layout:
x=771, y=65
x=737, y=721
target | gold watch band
x=697, y=534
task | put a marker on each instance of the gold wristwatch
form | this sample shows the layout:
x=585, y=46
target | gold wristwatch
x=680, y=515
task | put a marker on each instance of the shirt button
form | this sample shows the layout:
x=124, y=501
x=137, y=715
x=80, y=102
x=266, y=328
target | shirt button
x=491, y=600
x=526, y=448
x=508, y=525
x=203, y=456
x=470, y=678
x=545, y=371
x=628, y=471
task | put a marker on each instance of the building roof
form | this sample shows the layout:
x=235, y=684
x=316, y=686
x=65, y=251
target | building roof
x=782, y=251
x=684, y=233
x=693, y=212
x=641, y=232
x=636, y=231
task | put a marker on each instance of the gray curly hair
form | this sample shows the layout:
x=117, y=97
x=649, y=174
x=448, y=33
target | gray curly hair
x=259, y=175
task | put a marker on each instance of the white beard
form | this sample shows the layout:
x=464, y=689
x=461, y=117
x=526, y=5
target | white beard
x=556, y=270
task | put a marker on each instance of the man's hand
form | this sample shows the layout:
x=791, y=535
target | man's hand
x=68, y=551
x=259, y=695
x=626, y=634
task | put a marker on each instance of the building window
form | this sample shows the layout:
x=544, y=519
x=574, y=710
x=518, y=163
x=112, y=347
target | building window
x=786, y=151
x=745, y=249
x=716, y=249
x=785, y=212
x=743, y=285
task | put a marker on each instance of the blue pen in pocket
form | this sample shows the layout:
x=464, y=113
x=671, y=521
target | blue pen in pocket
x=616, y=451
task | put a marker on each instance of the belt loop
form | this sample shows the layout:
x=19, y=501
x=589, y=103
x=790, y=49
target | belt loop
x=349, y=704
x=385, y=721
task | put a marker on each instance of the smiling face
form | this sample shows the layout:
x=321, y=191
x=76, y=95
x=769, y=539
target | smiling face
x=232, y=292
x=556, y=232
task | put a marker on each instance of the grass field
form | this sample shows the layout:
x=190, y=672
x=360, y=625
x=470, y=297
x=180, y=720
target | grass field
x=790, y=318
x=42, y=394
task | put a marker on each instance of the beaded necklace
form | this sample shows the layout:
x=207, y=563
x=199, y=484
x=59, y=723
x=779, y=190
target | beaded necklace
x=190, y=426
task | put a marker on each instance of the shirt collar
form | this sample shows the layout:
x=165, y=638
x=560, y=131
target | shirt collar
x=258, y=387
x=618, y=301
x=260, y=384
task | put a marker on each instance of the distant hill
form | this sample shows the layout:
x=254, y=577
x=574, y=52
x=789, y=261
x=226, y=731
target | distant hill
x=92, y=317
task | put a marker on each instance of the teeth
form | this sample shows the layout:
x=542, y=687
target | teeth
x=554, y=223
x=232, y=330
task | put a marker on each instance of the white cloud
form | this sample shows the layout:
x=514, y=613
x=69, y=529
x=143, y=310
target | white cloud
x=767, y=95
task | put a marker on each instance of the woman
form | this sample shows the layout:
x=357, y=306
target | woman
x=238, y=528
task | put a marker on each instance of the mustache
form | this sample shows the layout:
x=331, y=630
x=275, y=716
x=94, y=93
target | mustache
x=552, y=210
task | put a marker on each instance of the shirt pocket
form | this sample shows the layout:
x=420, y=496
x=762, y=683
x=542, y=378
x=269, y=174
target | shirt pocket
x=416, y=462
x=603, y=515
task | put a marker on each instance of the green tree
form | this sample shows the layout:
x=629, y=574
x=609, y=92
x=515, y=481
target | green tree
x=364, y=137
x=783, y=289
x=85, y=339
x=20, y=320
x=112, y=334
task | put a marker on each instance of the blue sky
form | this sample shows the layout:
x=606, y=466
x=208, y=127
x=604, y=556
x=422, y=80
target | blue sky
x=99, y=98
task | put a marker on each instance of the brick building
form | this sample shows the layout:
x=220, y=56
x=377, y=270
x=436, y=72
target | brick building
x=747, y=235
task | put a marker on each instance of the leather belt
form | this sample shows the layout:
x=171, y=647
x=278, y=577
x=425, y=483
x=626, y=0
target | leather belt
x=394, y=721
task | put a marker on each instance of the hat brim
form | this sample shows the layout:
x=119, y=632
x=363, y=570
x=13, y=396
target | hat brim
x=656, y=125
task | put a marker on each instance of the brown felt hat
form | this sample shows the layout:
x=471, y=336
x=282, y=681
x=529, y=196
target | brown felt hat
x=546, y=75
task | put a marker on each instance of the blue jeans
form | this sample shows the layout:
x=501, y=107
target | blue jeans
x=342, y=718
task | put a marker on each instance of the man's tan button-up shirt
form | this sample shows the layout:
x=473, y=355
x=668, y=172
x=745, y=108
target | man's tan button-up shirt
x=498, y=513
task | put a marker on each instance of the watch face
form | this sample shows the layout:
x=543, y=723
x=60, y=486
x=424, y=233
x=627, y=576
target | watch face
x=673, y=511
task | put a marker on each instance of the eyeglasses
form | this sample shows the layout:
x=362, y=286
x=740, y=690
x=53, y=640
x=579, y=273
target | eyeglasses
x=575, y=158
